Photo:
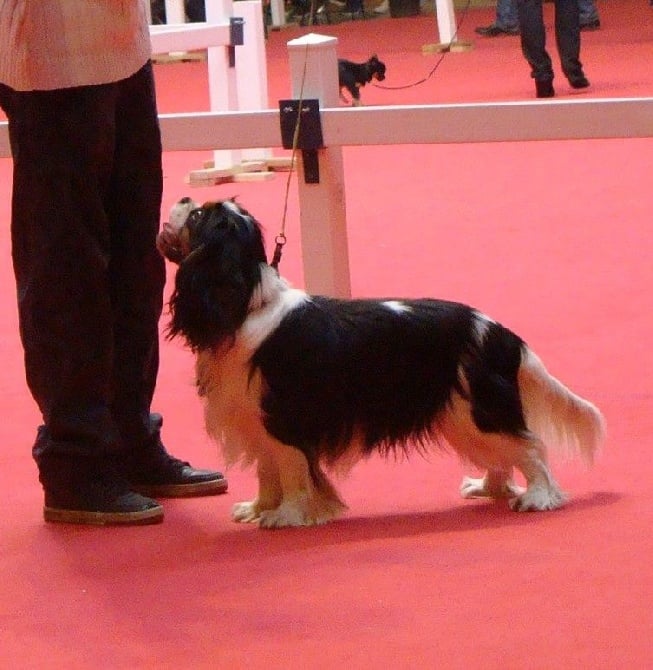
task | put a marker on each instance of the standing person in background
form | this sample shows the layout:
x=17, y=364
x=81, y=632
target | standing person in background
x=506, y=21
x=533, y=43
x=77, y=87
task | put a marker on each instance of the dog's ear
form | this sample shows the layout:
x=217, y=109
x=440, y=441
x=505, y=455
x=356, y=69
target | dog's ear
x=214, y=283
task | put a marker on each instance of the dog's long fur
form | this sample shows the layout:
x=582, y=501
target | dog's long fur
x=297, y=384
x=353, y=76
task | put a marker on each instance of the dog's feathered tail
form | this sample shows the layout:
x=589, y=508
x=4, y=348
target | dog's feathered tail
x=557, y=415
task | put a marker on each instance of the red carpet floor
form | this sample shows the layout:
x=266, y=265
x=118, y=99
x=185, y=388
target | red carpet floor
x=552, y=238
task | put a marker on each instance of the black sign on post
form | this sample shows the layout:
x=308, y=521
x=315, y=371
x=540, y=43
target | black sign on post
x=309, y=137
x=236, y=37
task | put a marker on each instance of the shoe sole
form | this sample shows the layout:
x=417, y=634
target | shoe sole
x=140, y=518
x=212, y=487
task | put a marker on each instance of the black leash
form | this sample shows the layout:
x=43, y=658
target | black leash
x=445, y=51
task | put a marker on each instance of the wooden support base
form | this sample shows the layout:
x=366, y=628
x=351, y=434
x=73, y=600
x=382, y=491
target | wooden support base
x=288, y=24
x=247, y=171
x=180, y=57
x=457, y=46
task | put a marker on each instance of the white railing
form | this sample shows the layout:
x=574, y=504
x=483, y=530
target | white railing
x=322, y=205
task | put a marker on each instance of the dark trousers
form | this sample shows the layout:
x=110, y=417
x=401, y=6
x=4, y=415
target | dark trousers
x=533, y=38
x=85, y=213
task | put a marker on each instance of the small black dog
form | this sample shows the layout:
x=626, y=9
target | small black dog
x=354, y=75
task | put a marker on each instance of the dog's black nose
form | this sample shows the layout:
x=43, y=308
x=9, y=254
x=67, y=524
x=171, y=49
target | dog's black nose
x=185, y=200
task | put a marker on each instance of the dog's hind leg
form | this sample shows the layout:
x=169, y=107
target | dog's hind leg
x=499, y=453
x=528, y=455
x=542, y=491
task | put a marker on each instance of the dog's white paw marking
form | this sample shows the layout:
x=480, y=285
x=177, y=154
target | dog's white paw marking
x=287, y=514
x=245, y=512
x=538, y=499
x=481, y=488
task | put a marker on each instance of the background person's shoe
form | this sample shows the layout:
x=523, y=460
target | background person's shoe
x=579, y=82
x=544, y=88
x=495, y=30
x=591, y=25
x=100, y=500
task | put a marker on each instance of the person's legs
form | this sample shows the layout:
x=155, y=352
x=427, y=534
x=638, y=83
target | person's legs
x=137, y=277
x=89, y=283
x=507, y=14
x=533, y=43
x=567, y=30
x=62, y=142
x=136, y=271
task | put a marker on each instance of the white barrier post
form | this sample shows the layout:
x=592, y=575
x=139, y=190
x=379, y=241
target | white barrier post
x=223, y=92
x=314, y=74
x=446, y=21
x=447, y=29
x=175, y=12
x=278, y=11
x=251, y=68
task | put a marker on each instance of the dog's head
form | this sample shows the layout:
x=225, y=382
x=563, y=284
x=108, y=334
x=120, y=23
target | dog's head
x=376, y=68
x=219, y=248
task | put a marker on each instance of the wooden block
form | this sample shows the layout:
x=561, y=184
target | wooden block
x=253, y=176
x=279, y=163
x=210, y=176
x=251, y=166
x=461, y=46
x=179, y=57
x=443, y=48
x=276, y=163
x=247, y=171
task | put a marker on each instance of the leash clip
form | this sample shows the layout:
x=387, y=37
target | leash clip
x=279, y=240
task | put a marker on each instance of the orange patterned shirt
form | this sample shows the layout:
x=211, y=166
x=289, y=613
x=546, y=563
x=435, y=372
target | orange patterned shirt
x=49, y=44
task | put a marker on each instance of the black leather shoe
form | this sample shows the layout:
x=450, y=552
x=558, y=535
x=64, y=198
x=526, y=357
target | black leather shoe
x=99, y=500
x=163, y=476
x=544, y=88
x=591, y=25
x=495, y=30
x=152, y=471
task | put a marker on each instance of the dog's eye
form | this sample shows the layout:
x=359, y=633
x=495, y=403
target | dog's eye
x=194, y=217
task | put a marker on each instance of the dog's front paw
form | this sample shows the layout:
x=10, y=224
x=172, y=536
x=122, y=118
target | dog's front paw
x=538, y=499
x=493, y=485
x=245, y=512
x=287, y=514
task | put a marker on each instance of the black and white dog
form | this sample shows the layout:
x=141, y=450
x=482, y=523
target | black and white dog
x=352, y=76
x=297, y=384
